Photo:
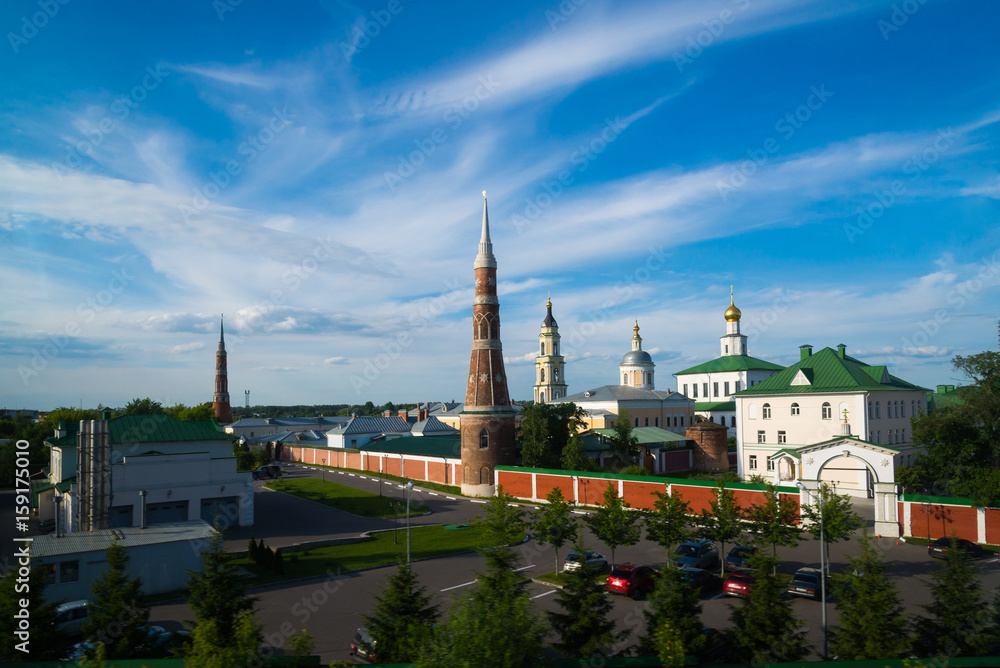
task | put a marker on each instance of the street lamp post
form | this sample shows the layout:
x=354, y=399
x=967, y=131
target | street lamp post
x=409, y=488
x=324, y=469
x=822, y=565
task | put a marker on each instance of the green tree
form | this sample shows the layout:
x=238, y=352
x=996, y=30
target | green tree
x=667, y=522
x=873, y=624
x=623, y=446
x=117, y=616
x=839, y=519
x=241, y=648
x=721, y=521
x=300, y=645
x=669, y=646
x=554, y=523
x=403, y=617
x=958, y=621
x=218, y=598
x=584, y=628
x=614, y=523
x=764, y=626
x=674, y=603
x=503, y=526
x=144, y=406
x=43, y=641
x=574, y=456
x=773, y=520
x=546, y=430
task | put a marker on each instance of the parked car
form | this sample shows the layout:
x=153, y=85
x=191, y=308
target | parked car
x=633, y=580
x=157, y=645
x=71, y=616
x=363, y=644
x=739, y=583
x=939, y=548
x=697, y=553
x=807, y=582
x=699, y=578
x=591, y=558
x=266, y=471
x=739, y=556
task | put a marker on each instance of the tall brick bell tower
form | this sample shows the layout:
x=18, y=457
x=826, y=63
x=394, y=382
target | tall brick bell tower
x=220, y=400
x=487, y=420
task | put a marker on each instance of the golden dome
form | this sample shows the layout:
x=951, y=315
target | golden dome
x=732, y=313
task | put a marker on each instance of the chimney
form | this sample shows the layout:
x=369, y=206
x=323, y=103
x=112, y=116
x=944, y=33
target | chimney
x=805, y=351
x=421, y=414
x=106, y=414
x=405, y=414
x=840, y=350
x=61, y=429
x=386, y=413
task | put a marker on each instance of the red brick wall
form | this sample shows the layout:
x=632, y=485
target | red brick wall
x=435, y=471
x=641, y=494
x=544, y=484
x=943, y=521
x=592, y=490
x=413, y=468
x=515, y=483
x=698, y=497
x=993, y=526
x=794, y=498
x=392, y=466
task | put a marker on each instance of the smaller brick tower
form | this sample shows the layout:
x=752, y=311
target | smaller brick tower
x=487, y=420
x=711, y=449
x=220, y=400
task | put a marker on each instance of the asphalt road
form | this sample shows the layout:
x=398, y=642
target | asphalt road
x=331, y=607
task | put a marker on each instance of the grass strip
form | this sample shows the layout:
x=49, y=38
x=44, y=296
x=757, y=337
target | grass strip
x=426, y=484
x=346, y=498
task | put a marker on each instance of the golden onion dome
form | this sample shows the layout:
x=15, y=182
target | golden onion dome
x=733, y=314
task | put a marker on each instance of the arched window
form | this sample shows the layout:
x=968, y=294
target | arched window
x=795, y=409
x=767, y=411
x=541, y=397
x=752, y=411
x=542, y=372
x=555, y=375
x=871, y=410
x=878, y=410
x=541, y=347
x=913, y=408
x=732, y=421
x=555, y=347
x=624, y=379
x=484, y=439
x=902, y=409
x=484, y=476
x=827, y=411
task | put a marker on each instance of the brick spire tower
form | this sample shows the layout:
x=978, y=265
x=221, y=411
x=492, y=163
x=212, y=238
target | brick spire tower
x=487, y=420
x=220, y=400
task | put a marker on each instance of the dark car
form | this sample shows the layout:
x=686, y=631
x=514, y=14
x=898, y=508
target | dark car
x=698, y=578
x=939, y=548
x=266, y=471
x=739, y=556
x=739, y=583
x=363, y=644
x=633, y=580
x=807, y=582
x=697, y=553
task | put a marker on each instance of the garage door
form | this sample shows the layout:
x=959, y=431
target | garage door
x=221, y=512
x=171, y=511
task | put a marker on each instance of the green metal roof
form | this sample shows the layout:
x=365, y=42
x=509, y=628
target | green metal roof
x=828, y=372
x=421, y=446
x=715, y=406
x=732, y=363
x=151, y=429
x=648, y=435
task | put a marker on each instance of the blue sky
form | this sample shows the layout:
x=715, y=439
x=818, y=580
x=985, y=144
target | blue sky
x=313, y=170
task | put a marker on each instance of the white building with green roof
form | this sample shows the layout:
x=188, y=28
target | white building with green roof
x=821, y=400
x=712, y=384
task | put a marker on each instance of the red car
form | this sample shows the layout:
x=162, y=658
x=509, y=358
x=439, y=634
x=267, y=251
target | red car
x=739, y=583
x=632, y=580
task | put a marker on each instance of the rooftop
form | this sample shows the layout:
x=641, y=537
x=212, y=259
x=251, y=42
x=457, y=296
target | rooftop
x=149, y=429
x=732, y=363
x=79, y=542
x=623, y=393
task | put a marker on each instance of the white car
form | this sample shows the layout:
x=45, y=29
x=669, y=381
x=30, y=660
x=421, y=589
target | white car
x=593, y=559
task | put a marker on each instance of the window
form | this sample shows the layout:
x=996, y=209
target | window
x=795, y=409
x=624, y=379
x=685, y=392
x=555, y=347
x=542, y=371
x=704, y=390
x=738, y=385
x=541, y=396
x=682, y=420
x=902, y=409
x=878, y=410
x=752, y=383
x=871, y=410
x=913, y=408
x=767, y=411
x=69, y=571
x=637, y=422
x=904, y=436
x=753, y=462
x=484, y=439
x=727, y=349
x=761, y=438
x=878, y=436
x=715, y=389
x=732, y=421
x=541, y=347
x=555, y=375
x=770, y=464
x=827, y=410
x=647, y=422
x=694, y=391
x=656, y=422
x=725, y=387
x=781, y=437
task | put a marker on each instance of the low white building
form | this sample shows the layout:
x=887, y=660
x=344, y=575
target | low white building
x=808, y=404
x=364, y=429
x=173, y=470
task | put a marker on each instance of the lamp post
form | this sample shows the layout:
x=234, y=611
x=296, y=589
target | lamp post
x=324, y=469
x=409, y=488
x=822, y=564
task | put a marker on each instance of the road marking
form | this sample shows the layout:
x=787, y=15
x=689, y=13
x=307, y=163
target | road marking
x=464, y=584
x=352, y=475
x=551, y=591
x=579, y=512
x=476, y=501
x=524, y=568
x=451, y=498
x=432, y=493
x=340, y=472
